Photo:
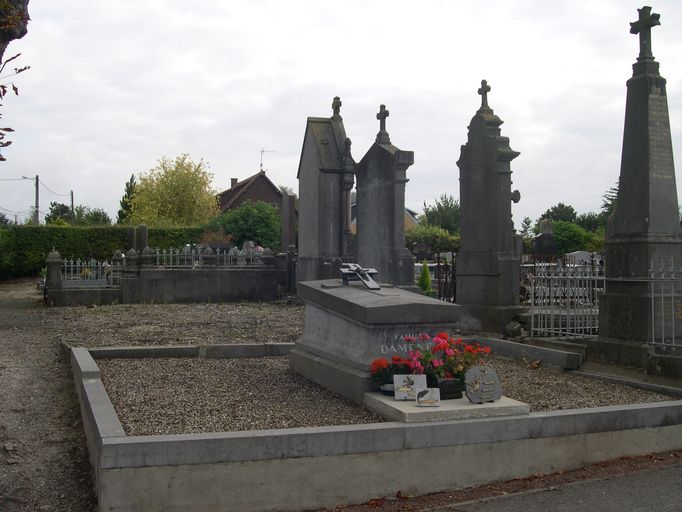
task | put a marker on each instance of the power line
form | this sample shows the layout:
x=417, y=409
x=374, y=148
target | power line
x=12, y=179
x=52, y=191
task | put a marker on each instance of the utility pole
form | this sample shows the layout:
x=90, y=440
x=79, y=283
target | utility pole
x=72, y=211
x=36, y=211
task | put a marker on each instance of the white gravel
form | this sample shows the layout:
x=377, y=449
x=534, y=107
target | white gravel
x=192, y=395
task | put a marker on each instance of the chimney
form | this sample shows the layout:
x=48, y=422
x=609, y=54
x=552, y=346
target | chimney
x=233, y=182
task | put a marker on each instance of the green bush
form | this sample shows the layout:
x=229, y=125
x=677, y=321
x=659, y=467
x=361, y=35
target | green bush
x=23, y=249
x=259, y=222
x=425, y=278
x=570, y=237
x=437, y=239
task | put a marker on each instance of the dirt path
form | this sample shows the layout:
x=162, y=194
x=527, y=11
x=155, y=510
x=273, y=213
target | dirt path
x=43, y=459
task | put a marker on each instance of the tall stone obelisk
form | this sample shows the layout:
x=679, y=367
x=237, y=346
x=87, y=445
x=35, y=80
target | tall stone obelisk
x=490, y=253
x=644, y=231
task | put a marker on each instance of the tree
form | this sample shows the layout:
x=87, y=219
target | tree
x=424, y=282
x=526, y=224
x=570, y=237
x=59, y=214
x=4, y=221
x=126, y=204
x=443, y=213
x=13, y=25
x=174, y=193
x=433, y=237
x=609, y=201
x=590, y=221
x=560, y=212
x=84, y=216
x=259, y=222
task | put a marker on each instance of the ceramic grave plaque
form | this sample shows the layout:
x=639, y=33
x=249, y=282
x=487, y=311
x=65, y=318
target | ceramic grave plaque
x=406, y=386
x=429, y=397
x=482, y=384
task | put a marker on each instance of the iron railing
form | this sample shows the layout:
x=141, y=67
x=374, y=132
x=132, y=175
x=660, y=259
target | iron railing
x=565, y=299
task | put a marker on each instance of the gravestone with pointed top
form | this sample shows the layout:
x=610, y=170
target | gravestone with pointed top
x=325, y=178
x=644, y=230
x=490, y=252
x=381, y=178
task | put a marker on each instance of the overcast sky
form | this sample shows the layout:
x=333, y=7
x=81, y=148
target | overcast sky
x=113, y=86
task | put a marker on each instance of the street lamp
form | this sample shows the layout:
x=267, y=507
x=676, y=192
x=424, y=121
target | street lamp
x=36, y=208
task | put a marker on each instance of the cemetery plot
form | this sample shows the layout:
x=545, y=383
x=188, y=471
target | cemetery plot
x=193, y=395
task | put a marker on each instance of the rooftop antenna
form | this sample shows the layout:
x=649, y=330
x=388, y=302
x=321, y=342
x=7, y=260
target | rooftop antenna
x=263, y=150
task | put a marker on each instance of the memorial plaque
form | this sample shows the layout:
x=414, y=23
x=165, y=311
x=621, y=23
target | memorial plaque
x=406, y=386
x=429, y=397
x=482, y=384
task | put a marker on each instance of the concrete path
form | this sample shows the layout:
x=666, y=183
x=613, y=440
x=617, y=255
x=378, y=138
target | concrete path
x=644, y=491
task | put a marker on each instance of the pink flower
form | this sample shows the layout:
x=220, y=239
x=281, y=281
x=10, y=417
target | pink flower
x=436, y=363
x=409, y=338
x=424, y=337
x=449, y=352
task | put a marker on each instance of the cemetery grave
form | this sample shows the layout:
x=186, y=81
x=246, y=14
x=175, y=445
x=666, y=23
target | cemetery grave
x=196, y=405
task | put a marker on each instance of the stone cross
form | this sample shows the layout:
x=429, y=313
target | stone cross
x=643, y=27
x=381, y=116
x=336, y=105
x=483, y=91
x=382, y=136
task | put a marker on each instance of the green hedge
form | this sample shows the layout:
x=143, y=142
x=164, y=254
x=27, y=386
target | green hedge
x=23, y=249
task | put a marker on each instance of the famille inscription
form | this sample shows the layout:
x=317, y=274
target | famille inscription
x=482, y=384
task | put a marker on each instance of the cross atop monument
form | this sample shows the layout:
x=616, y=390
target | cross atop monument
x=643, y=26
x=336, y=106
x=483, y=91
x=382, y=136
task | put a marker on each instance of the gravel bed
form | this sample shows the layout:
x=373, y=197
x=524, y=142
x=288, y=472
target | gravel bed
x=550, y=389
x=192, y=395
x=175, y=324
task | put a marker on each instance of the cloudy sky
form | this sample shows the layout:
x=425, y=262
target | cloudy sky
x=113, y=86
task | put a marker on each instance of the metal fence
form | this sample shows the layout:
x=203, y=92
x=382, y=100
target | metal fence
x=446, y=278
x=85, y=273
x=192, y=257
x=565, y=298
x=665, y=282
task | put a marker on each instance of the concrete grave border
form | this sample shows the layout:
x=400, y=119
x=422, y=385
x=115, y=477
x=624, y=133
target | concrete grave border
x=303, y=468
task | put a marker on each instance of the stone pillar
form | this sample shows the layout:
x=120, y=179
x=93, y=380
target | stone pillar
x=288, y=216
x=131, y=238
x=489, y=258
x=644, y=230
x=148, y=258
x=381, y=179
x=53, y=280
x=142, y=237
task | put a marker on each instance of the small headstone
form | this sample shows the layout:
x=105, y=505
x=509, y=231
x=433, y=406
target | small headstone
x=429, y=397
x=405, y=386
x=482, y=384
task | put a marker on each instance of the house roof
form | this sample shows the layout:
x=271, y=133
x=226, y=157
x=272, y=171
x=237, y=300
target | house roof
x=230, y=196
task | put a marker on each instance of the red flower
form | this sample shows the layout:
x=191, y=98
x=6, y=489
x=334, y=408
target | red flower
x=378, y=364
x=424, y=337
x=442, y=335
x=486, y=350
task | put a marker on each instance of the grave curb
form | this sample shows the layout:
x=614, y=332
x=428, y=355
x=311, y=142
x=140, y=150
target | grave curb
x=142, y=472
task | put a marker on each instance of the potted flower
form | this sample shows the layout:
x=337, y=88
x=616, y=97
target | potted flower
x=383, y=370
x=445, y=362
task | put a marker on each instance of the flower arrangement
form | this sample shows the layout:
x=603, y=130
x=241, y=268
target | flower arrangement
x=447, y=357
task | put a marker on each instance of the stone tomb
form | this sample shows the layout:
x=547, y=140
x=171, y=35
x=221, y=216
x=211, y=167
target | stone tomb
x=347, y=326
